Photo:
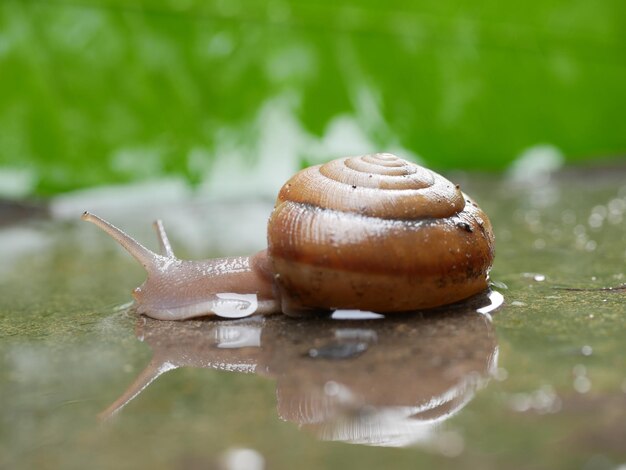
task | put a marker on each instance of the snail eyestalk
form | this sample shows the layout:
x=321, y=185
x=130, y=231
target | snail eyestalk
x=164, y=242
x=147, y=258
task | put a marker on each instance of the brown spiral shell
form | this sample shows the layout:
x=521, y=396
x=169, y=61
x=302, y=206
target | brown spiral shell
x=377, y=233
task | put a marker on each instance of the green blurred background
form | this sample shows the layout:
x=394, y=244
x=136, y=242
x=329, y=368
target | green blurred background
x=97, y=92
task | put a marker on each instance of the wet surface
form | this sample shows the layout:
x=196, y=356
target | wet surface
x=335, y=374
x=538, y=383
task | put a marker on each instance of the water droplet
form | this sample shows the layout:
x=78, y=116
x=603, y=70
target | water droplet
x=600, y=210
x=496, y=299
x=586, y=350
x=242, y=459
x=545, y=400
x=499, y=285
x=582, y=384
x=595, y=221
x=332, y=388
x=339, y=392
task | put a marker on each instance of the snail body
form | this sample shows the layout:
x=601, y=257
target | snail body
x=371, y=233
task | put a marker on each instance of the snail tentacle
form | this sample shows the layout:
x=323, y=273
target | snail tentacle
x=147, y=258
x=164, y=241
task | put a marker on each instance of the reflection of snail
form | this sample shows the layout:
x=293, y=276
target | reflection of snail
x=367, y=381
x=415, y=373
x=370, y=233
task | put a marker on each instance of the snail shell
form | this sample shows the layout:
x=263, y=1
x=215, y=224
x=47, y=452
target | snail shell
x=379, y=233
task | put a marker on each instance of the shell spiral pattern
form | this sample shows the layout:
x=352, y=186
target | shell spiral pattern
x=378, y=233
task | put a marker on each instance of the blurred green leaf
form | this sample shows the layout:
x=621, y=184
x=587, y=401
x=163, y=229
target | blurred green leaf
x=104, y=91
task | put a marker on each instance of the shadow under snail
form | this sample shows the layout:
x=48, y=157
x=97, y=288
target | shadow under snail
x=374, y=233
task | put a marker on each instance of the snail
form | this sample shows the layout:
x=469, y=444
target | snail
x=373, y=233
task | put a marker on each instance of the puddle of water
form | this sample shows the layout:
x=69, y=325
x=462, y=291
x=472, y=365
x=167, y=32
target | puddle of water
x=374, y=379
x=541, y=378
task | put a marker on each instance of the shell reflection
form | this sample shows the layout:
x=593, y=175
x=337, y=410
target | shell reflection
x=372, y=382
